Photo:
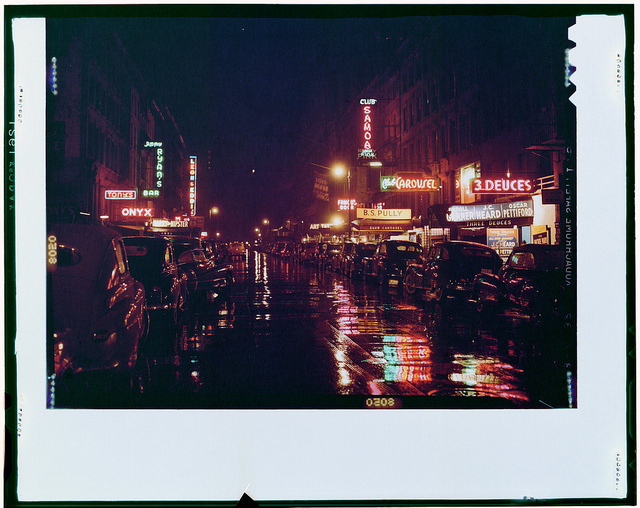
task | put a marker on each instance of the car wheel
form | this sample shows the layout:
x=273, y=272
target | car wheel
x=439, y=295
x=408, y=284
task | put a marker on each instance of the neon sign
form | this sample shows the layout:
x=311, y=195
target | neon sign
x=408, y=183
x=343, y=204
x=137, y=212
x=367, y=150
x=192, y=184
x=501, y=186
x=150, y=193
x=120, y=194
x=159, y=175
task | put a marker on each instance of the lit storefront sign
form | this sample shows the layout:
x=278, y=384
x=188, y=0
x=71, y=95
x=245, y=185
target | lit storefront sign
x=385, y=214
x=159, y=169
x=501, y=186
x=495, y=214
x=502, y=240
x=120, y=194
x=137, y=212
x=347, y=204
x=193, y=162
x=166, y=223
x=409, y=182
x=150, y=193
x=367, y=151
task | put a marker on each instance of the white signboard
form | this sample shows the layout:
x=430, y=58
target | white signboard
x=374, y=213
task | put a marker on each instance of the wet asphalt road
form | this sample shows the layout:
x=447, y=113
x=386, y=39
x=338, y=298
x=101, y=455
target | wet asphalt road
x=292, y=336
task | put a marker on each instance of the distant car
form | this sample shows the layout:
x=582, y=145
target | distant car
x=204, y=277
x=448, y=270
x=339, y=262
x=152, y=261
x=309, y=252
x=98, y=312
x=328, y=253
x=530, y=282
x=353, y=260
x=390, y=260
x=236, y=250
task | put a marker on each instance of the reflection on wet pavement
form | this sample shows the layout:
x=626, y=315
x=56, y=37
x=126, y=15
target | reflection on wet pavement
x=290, y=335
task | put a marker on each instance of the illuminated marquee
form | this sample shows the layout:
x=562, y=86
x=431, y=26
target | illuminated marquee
x=501, y=186
x=193, y=160
x=367, y=150
x=120, y=194
x=137, y=212
x=409, y=183
x=166, y=223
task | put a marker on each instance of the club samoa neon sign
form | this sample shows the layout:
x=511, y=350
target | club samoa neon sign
x=409, y=182
x=367, y=150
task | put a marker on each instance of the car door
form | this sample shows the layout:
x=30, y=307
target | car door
x=435, y=267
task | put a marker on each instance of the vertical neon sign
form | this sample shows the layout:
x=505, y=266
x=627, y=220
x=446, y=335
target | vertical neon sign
x=367, y=150
x=193, y=162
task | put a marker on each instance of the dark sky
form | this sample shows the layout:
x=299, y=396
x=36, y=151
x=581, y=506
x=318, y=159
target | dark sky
x=251, y=90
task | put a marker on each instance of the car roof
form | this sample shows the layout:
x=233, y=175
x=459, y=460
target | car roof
x=537, y=247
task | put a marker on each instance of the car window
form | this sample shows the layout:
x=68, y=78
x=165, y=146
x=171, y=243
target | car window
x=121, y=258
x=383, y=248
x=522, y=260
x=136, y=250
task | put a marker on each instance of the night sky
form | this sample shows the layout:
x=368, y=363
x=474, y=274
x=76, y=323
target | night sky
x=254, y=91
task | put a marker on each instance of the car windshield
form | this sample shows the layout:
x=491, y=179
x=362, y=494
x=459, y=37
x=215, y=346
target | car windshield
x=143, y=259
x=404, y=250
x=543, y=260
x=365, y=248
x=477, y=259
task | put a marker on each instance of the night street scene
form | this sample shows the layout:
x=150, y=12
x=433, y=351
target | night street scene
x=370, y=208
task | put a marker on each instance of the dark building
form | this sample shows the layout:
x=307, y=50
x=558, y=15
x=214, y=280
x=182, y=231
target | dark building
x=474, y=111
x=113, y=152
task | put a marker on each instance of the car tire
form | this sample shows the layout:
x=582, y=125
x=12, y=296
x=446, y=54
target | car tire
x=408, y=285
x=439, y=295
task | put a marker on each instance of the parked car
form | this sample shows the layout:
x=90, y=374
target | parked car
x=152, y=261
x=328, y=254
x=204, y=277
x=287, y=251
x=309, y=253
x=448, y=270
x=530, y=282
x=353, y=261
x=237, y=250
x=185, y=243
x=98, y=312
x=390, y=260
x=339, y=262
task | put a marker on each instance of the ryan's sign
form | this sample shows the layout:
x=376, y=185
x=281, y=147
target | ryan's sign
x=501, y=186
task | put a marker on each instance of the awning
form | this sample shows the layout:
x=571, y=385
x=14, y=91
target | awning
x=382, y=225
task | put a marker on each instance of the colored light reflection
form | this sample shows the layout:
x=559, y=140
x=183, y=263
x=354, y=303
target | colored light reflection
x=408, y=359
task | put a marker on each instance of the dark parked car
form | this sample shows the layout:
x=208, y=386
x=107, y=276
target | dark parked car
x=309, y=252
x=183, y=243
x=530, y=282
x=204, y=277
x=339, y=262
x=449, y=268
x=328, y=254
x=98, y=312
x=353, y=260
x=152, y=261
x=391, y=259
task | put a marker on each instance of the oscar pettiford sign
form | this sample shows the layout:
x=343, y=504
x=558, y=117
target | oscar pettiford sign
x=388, y=214
x=518, y=213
